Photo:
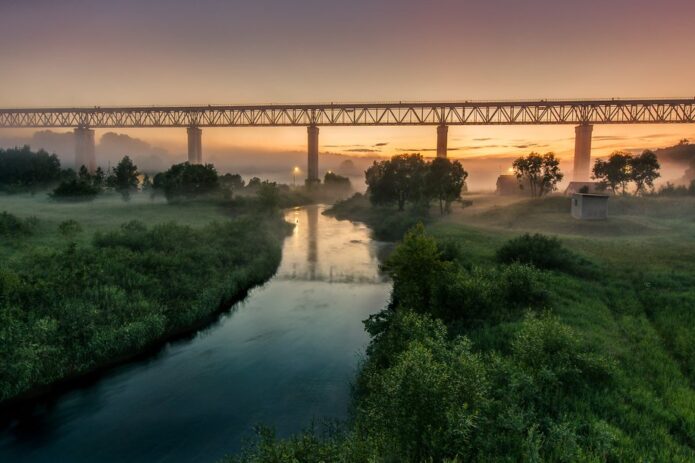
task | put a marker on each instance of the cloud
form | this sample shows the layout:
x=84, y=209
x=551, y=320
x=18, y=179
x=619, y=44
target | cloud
x=363, y=150
x=381, y=144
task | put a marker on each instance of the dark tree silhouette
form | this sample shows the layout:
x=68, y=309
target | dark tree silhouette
x=542, y=172
x=445, y=180
x=644, y=169
x=124, y=178
x=615, y=172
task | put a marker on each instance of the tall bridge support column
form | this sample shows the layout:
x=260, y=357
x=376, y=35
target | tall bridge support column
x=582, y=152
x=442, y=131
x=84, y=149
x=195, y=145
x=313, y=155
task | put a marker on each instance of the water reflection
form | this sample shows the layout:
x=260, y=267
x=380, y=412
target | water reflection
x=284, y=357
x=346, y=253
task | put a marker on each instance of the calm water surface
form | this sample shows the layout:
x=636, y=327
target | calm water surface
x=283, y=357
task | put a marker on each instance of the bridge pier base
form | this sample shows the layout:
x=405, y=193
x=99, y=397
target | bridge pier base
x=84, y=149
x=312, y=156
x=442, y=131
x=195, y=145
x=582, y=152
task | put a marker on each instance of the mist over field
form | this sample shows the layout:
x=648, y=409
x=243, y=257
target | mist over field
x=278, y=165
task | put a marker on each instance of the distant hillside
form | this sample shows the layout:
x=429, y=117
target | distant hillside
x=682, y=153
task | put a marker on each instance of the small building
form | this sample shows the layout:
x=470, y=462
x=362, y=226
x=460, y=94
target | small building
x=584, y=187
x=586, y=206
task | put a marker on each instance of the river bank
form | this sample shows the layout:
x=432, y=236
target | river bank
x=76, y=303
x=284, y=357
x=508, y=346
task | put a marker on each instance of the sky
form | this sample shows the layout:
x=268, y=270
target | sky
x=100, y=52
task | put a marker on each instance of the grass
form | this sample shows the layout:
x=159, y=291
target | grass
x=87, y=285
x=632, y=318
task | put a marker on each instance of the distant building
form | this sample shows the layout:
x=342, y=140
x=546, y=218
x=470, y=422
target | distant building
x=584, y=187
x=509, y=185
x=587, y=206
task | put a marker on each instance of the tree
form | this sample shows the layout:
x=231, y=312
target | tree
x=124, y=178
x=615, y=172
x=445, y=181
x=542, y=172
x=187, y=180
x=21, y=168
x=400, y=179
x=268, y=195
x=644, y=169
x=99, y=178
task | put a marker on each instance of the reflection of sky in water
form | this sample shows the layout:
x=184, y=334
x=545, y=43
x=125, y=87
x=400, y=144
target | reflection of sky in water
x=322, y=248
x=283, y=357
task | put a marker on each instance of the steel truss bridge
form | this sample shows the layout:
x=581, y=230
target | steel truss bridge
x=538, y=112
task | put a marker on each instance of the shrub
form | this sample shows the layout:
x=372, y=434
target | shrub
x=543, y=252
x=12, y=226
x=75, y=190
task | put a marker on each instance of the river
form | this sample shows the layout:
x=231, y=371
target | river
x=283, y=357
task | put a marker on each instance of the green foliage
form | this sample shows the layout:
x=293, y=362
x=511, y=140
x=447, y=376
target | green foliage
x=268, y=196
x=187, y=181
x=541, y=172
x=23, y=169
x=543, y=252
x=397, y=180
x=444, y=181
x=337, y=182
x=13, y=227
x=70, y=228
x=76, y=189
x=64, y=312
x=409, y=178
x=124, y=178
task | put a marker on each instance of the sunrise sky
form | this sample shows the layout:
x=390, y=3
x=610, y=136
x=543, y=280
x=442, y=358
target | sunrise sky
x=99, y=52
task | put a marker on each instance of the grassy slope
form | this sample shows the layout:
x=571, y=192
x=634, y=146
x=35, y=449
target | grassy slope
x=641, y=308
x=222, y=261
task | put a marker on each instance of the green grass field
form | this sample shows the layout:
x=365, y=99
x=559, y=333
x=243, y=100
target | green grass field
x=123, y=279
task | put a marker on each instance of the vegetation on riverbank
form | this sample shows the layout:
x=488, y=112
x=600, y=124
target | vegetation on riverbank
x=536, y=349
x=118, y=278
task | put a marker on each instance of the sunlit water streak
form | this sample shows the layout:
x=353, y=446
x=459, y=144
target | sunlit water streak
x=283, y=357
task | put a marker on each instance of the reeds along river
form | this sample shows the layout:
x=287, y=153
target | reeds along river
x=283, y=357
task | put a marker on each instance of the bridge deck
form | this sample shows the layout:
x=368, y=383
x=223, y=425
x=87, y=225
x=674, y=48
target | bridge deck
x=537, y=112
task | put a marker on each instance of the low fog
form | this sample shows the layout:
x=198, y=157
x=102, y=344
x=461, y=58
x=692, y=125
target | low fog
x=677, y=162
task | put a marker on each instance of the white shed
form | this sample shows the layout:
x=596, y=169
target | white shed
x=587, y=206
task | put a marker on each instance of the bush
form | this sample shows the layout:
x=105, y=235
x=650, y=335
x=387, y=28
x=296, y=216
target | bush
x=187, y=181
x=12, y=226
x=542, y=252
x=75, y=190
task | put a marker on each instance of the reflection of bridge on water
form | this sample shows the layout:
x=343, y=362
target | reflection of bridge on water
x=340, y=264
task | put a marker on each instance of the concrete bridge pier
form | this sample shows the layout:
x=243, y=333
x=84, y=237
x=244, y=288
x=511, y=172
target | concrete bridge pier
x=313, y=156
x=582, y=153
x=84, y=149
x=442, y=131
x=195, y=145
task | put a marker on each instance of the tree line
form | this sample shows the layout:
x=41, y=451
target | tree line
x=622, y=168
x=409, y=178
